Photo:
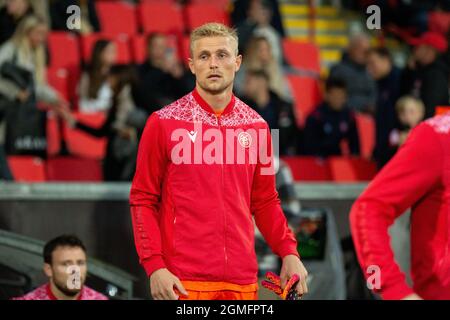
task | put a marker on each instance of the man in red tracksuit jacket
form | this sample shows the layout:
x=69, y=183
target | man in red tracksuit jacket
x=417, y=177
x=201, y=178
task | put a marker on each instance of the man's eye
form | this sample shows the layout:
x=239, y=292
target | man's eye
x=203, y=57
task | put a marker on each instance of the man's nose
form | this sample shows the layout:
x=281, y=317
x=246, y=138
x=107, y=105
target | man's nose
x=213, y=62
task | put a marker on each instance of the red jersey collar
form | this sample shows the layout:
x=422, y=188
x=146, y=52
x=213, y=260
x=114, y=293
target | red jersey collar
x=52, y=296
x=208, y=108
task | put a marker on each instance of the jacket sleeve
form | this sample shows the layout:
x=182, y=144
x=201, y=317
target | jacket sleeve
x=414, y=170
x=265, y=205
x=145, y=195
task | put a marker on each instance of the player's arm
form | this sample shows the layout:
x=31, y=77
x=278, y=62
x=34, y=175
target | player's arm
x=415, y=170
x=145, y=197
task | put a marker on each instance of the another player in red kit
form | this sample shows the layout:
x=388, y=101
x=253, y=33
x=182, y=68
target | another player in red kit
x=193, y=202
x=418, y=177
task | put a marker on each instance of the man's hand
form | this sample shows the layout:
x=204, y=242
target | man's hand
x=412, y=297
x=292, y=265
x=162, y=282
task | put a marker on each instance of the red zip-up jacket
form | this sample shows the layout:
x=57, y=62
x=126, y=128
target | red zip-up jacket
x=417, y=177
x=196, y=219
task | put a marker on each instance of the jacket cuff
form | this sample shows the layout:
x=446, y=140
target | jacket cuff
x=396, y=292
x=290, y=249
x=152, y=264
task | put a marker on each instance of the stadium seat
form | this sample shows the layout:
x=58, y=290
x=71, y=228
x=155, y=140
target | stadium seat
x=308, y=168
x=64, y=50
x=27, y=168
x=184, y=50
x=73, y=169
x=53, y=134
x=306, y=94
x=302, y=55
x=223, y=4
x=349, y=169
x=139, y=47
x=121, y=41
x=82, y=144
x=160, y=17
x=198, y=14
x=117, y=17
x=58, y=78
x=65, y=53
x=366, y=131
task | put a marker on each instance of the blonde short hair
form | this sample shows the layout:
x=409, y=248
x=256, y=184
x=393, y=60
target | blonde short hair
x=213, y=29
x=403, y=101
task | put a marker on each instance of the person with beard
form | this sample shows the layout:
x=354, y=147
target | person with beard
x=64, y=260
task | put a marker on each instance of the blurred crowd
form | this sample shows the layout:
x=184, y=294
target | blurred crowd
x=366, y=81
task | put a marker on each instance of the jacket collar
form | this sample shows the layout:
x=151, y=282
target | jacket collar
x=205, y=106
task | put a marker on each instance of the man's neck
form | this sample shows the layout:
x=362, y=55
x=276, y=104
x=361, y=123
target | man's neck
x=60, y=295
x=217, y=102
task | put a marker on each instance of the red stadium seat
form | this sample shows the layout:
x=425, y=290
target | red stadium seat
x=117, y=17
x=184, y=49
x=344, y=169
x=64, y=50
x=139, y=47
x=308, y=168
x=366, y=131
x=27, y=168
x=223, y=4
x=302, y=55
x=160, y=17
x=53, y=134
x=73, y=169
x=198, y=14
x=121, y=41
x=306, y=94
x=82, y=144
x=58, y=78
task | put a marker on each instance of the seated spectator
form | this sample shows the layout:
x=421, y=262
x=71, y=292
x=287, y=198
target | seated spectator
x=426, y=76
x=10, y=16
x=387, y=77
x=162, y=78
x=25, y=51
x=121, y=127
x=352, y=69
x=259, y=56
x=410, y=112
x=89, y=19
x=259, y=16
x=64, y=260
x=332, y=125
x=95, y=93
x=277, y=113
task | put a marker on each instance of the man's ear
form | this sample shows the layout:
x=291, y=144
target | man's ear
x=238, y=62
x=191, y=65
x=48, y=270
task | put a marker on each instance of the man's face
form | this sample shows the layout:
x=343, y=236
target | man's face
x=378, y=66
x=255, y=85
x=158, y=48
x=67, y=263
x=214, y=63
x=424, y=54
x=359, y=50
x=336, y=98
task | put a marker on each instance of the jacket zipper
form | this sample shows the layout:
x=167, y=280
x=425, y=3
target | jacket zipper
x=223, y=209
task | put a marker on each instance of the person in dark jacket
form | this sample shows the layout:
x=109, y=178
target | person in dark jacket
x=162, y=78
x=277, y=112
x=332, y=124
x=122, y=127
x=352, y=69
x=11, y=15
x=387, y=77
x=426, y=76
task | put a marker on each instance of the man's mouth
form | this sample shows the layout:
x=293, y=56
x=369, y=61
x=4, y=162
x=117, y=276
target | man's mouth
x=214, y=76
